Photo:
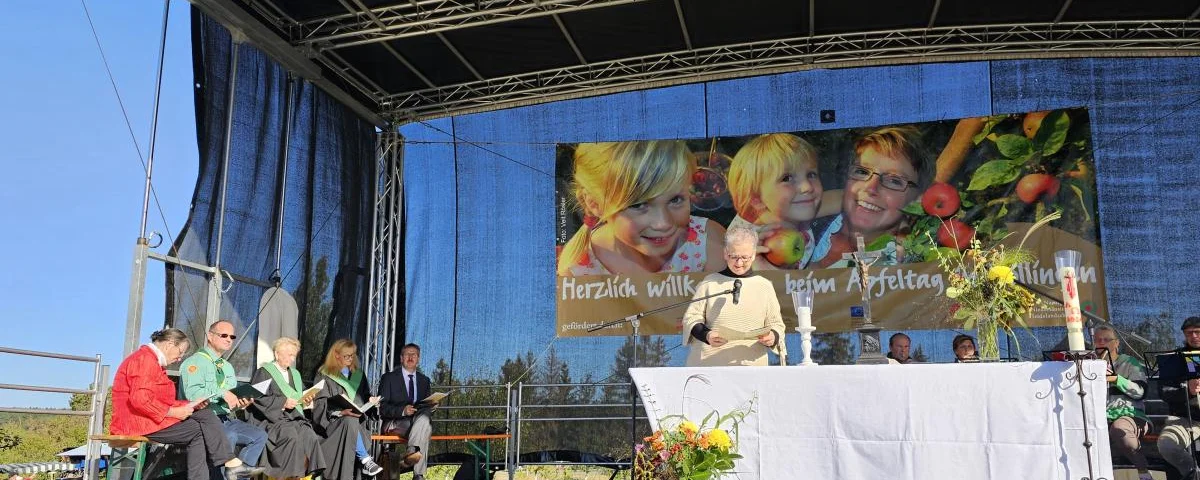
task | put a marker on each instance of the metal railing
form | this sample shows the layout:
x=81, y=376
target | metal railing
x=98, y=393
x=521, y=408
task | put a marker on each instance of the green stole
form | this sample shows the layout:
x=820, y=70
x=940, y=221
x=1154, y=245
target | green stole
x=291, y=390
x=219, y=363
x=351, y=384
x=218, y=406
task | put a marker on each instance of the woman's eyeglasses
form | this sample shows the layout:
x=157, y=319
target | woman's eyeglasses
x=886, y=180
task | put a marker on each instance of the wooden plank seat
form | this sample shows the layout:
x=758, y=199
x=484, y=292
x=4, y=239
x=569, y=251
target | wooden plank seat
x=435, y=438
x=121, y=441
x=126, y=449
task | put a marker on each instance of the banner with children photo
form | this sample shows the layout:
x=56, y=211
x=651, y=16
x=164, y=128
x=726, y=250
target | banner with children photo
x=641, y=223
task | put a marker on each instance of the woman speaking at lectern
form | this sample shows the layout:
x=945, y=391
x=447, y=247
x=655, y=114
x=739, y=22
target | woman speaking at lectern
x=712, y=327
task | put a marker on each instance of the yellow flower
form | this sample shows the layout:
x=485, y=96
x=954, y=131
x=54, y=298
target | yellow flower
x=953, y=292
x=1002, y=274
x=720, y=439
x=687, y=427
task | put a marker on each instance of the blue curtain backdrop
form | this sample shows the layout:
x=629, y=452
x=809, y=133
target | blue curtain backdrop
x=479, y=188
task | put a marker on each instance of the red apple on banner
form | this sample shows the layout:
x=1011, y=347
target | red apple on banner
x=955, y=234
x=786, y=247
x=940, y=200
x=1036, y=185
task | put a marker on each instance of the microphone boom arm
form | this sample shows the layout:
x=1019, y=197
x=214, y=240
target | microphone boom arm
x=1090, y=316
x=638, y=316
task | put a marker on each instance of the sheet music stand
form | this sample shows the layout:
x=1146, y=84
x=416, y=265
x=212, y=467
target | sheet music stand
x=1180, y=366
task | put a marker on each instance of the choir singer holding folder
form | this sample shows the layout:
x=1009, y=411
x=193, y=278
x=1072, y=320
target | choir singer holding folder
x=740, y=328
x=402, y=409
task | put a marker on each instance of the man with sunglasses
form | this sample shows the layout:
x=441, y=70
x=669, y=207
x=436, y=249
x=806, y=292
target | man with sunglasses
x=207, y=374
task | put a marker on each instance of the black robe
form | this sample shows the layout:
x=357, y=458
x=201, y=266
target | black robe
x=340, y=432
x=290, y=437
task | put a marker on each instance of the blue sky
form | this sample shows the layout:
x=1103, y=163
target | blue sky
x=71, y=187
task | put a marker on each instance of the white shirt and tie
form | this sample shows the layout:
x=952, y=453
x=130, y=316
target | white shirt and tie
x=410, y=378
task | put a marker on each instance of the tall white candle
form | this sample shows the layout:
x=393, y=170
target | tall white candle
x=1070, y=293
x=804, y=316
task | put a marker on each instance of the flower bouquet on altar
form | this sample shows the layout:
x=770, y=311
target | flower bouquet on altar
x=982, y=285
x=683, y=450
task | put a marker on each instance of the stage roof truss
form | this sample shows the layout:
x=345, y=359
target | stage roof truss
x=407, y=60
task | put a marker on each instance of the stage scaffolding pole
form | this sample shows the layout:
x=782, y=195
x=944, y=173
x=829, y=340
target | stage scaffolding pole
x=385, y=238
x=141, y=249
x=215, y=283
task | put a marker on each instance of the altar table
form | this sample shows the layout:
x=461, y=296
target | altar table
x=924, y=421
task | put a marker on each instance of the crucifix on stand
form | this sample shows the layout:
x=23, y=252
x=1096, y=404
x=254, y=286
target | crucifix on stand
x=870, y=349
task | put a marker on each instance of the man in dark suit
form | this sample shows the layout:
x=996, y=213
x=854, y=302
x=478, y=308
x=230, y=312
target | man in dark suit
x=402, y=391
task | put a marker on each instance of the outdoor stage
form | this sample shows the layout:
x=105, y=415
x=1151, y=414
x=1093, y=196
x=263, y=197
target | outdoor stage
x=979, y=421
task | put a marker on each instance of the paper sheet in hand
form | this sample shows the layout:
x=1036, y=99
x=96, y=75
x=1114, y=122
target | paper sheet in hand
x=433, y=399
x=344, y=401
x=731, y=334
x=245, y=390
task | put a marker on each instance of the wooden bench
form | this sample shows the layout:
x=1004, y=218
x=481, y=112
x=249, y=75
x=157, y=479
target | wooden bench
x=480, y=446
x=125, y=449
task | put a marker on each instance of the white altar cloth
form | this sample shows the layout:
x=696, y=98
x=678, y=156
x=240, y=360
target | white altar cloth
x=952, y=421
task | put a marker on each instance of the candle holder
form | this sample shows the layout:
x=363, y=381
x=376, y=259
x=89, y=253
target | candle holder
x=1067, y=262
x=803, y=301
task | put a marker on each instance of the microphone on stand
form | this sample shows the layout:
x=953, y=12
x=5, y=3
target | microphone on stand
x=737, y=290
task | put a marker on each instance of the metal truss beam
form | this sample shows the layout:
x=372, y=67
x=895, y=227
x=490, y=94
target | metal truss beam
x=384, y=288
x=230, y=14
x=428, y=16
x=1041, y=40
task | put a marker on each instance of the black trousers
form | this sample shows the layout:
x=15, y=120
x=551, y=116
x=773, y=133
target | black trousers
x=205, y=440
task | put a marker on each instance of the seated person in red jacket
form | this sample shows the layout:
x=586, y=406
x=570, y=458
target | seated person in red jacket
x=144, y=403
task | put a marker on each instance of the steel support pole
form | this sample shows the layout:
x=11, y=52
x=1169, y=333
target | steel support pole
x=283, y=159
x=137, y=290
x=96, y=425
x=213, y=312
x=137, y=281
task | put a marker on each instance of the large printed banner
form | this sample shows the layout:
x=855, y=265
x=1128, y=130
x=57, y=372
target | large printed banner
x=641, y=223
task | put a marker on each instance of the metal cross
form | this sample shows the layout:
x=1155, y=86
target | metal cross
x=870, y=348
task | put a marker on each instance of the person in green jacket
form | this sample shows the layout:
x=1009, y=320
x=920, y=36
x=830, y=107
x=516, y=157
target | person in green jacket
x=207, y=374
x=1127, y=420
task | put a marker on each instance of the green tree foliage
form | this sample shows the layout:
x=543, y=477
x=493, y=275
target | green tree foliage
x=1160, y=330
x=919, y=355
x=314, y=327
x=39, y=437
x=559, y=411
x=81, y=402
x=832, y=349
x=8, y=440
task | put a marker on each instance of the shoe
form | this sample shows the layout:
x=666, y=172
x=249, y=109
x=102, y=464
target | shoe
x=233, y=473
x=370, y=468
x=1145, y=476
x=418, y=477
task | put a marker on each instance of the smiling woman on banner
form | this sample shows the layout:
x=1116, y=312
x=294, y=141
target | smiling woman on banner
x=890, y=170
x=734, y=329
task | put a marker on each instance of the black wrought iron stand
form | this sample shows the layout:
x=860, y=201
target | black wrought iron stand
x=1078, y=356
